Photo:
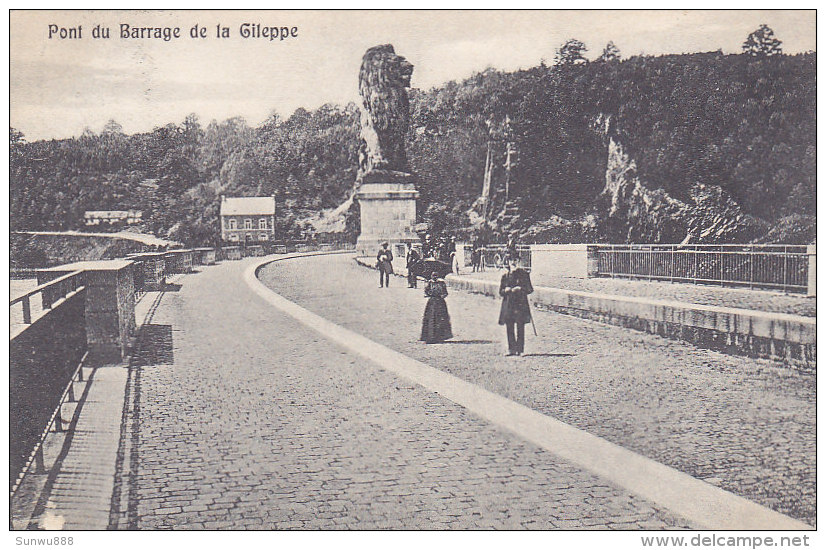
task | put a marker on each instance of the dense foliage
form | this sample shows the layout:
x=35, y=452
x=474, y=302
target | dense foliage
x=742, y=123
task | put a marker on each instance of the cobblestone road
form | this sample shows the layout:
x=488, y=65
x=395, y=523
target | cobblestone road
x=742, y=424
x=248, y=420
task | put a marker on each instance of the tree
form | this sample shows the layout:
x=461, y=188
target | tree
x=610, y=53
x=112, y=128
x=88, y=134
x=16, y=142
x=762, y=43
x=16, y=137
x=193, y=134
x=571, y=53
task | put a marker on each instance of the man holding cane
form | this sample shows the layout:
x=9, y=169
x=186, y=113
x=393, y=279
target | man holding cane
x=515, y=312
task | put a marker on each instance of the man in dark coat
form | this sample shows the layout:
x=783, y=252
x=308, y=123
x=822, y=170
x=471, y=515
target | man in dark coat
x=412, y=266
x=516, y=311
x=428, y=247
x=511, y=249
x=384, y=261
x=451, y=250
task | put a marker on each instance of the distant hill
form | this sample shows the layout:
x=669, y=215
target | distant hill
x=712, y=148
x=32, y=251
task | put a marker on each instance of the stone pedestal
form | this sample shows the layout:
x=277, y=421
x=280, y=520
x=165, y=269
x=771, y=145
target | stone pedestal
x=204, y=256
x=179, y=261
x=150, y=270
x=231, y=252
x=388, y=213
x=109, y=305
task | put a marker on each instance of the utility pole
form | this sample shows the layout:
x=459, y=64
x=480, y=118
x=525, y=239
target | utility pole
x=510, y=151
x=486, y=183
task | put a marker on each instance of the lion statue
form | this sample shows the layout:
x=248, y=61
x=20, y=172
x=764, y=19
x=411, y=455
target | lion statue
x=383, y=81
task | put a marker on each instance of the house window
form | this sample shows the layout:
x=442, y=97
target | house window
x=263, y=237
x=247, y=223
x=262, y=223
x=233, y=224
x=234, y=237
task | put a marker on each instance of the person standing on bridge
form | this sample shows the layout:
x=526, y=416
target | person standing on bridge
x=436, y=322
x=428, y=247
x=516, y=311
x=384, y=261
x=413, y=260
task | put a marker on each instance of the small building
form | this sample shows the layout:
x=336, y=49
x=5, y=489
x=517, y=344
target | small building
x=112, y=217
x=247, y=219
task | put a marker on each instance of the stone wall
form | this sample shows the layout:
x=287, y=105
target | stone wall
x=788, y=338
x=562, y=260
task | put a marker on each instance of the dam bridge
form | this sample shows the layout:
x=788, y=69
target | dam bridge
x=199, y=389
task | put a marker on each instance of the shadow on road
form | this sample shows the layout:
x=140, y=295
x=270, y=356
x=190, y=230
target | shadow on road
x=549, y=355
x=153, y=346
x=171, y=287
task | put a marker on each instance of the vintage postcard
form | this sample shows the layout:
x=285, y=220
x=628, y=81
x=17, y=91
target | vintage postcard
x=547, y=271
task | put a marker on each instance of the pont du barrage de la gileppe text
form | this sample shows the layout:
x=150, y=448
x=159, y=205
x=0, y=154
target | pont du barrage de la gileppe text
x=127, y=31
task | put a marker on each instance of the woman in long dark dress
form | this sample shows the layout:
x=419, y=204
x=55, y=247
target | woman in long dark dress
x=436, y=321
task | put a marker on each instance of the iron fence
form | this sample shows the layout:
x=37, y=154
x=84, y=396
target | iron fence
x=35, y=461
x=50, y=292
x=783, y=267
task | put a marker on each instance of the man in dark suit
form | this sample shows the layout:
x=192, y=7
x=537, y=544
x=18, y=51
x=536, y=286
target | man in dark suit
x=516, y=311
x=384, y=261
x=429, y=248
x=412, y=265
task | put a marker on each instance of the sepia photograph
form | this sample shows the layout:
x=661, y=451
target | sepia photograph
x=413, y=270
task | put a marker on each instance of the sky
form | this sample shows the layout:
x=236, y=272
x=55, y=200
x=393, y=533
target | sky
x=59, y=87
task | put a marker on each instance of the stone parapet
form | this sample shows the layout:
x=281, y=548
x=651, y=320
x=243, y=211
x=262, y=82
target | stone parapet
x=179, y=261
x=109, y=309
x=203, y=256
x=231, y=252
x=789, y=338
x=150, y=270
x=563, y=260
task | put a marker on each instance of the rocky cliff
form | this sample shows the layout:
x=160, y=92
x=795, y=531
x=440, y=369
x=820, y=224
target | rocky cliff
x=636, y=213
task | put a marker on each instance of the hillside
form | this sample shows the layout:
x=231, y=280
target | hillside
x=32, y=251
x=705, y=147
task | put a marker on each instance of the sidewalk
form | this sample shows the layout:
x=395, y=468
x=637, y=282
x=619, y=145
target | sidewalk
x=760, y=300
x=77, y=492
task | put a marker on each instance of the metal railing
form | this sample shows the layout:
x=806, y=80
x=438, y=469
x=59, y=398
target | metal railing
x=51, y=294
x=54, y=425
x=493, y=256
x=783, y=267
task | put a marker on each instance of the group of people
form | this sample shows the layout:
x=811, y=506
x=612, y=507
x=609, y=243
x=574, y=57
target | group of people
x=477, y=255
x=514, y=288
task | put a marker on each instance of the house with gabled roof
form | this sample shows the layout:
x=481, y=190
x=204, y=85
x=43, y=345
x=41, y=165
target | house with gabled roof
x=247, y=219
x=112, y=217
